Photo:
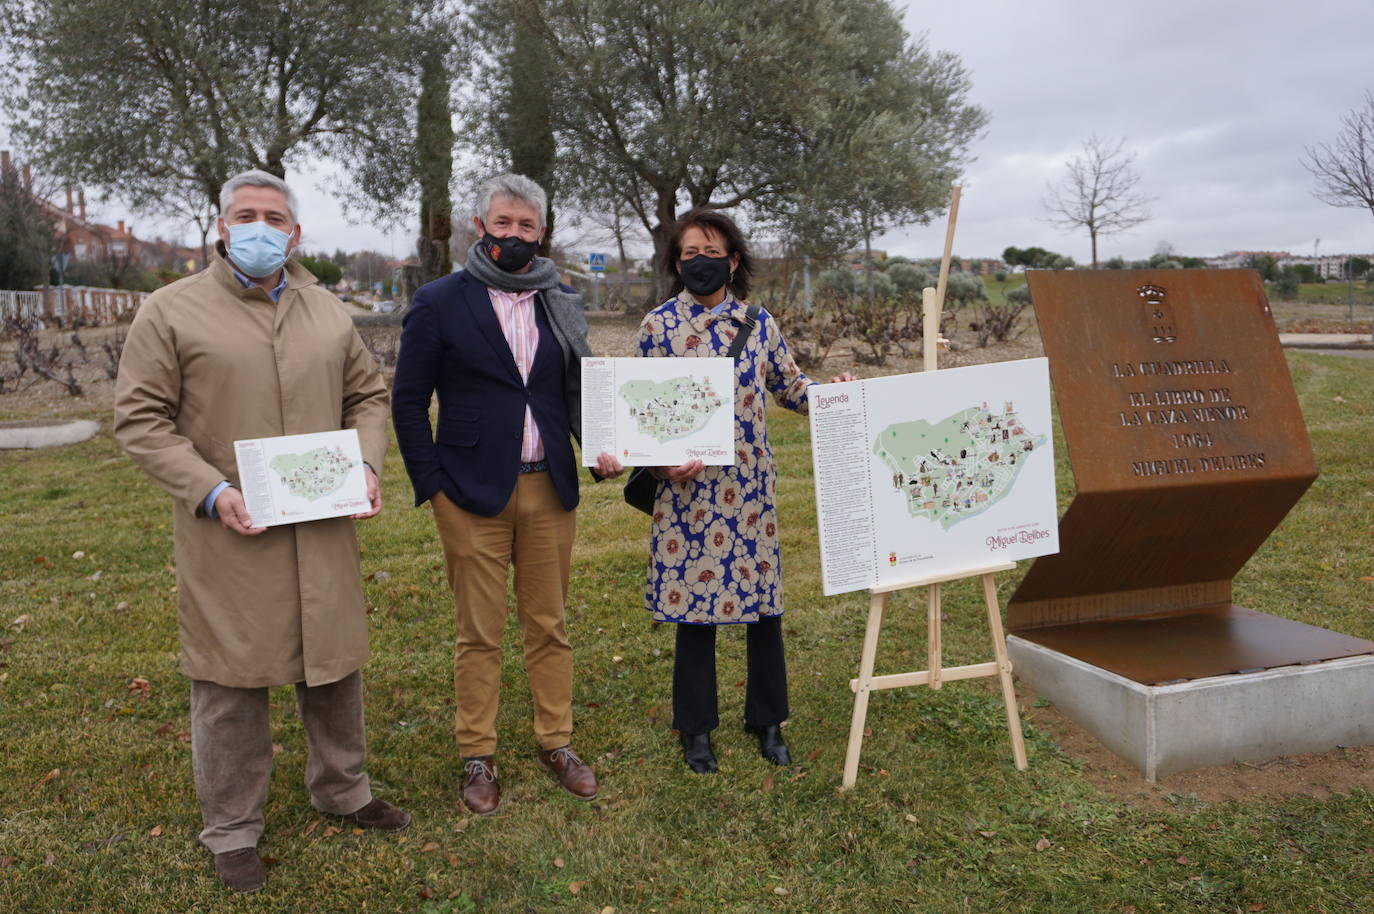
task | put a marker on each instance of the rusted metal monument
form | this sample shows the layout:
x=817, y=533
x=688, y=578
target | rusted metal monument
x=1188, y=449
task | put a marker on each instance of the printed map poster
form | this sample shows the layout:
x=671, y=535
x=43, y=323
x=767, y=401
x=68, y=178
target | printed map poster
x=659, y=412
x=294, y=478
x=926, y=474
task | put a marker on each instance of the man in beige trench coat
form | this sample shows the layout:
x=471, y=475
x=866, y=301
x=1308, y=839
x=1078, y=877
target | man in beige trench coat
x=253, y=347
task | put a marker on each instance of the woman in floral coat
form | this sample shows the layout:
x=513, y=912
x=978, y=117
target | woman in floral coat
x=714, y=544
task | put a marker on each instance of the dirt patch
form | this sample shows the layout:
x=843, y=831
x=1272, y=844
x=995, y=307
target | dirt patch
x=1317, y=774
x=615, y=334
x=609, y=334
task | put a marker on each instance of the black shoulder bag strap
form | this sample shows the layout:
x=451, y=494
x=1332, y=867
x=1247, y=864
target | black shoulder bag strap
x=751, y=320
x=642, y=485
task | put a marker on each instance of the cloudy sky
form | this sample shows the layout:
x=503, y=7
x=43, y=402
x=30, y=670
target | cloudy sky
x=1217, y=97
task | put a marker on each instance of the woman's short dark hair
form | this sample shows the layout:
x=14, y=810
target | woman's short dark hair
x=712, y=221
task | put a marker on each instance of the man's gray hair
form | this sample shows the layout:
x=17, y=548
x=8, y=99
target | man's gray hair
x=517, y=187
x=256, y=178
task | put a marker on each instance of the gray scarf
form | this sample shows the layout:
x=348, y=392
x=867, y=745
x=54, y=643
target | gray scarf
x=541, y=275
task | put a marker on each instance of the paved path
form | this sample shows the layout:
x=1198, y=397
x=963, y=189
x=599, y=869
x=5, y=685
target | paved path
x=1328, y=341
x=41, y=433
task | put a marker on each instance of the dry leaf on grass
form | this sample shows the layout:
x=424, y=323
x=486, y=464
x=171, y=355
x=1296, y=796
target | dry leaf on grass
x=331, y=831
x=140, y=687
x=49, y=859
x=429, y=846
x=359, y=831
x=558, y=862
x=310, y=829
x=1043, y=844
x=155, y=832
x=767, y=783
x=575, y=887
x=46, y=778
x=452, y=859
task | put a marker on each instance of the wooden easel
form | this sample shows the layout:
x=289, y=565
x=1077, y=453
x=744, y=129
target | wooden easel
x=936, y=673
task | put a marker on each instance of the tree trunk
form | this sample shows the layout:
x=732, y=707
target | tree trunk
x=434, y=153
x=1092, y=233
x=528, y=126
x=868, y=264
x=624, y=262
x=661, y=233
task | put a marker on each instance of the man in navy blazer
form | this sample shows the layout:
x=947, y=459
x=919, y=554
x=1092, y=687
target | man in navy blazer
x=501, y=343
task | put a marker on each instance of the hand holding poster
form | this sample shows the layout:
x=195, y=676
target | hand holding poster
x=294, y=478
x=659, y=412
x=923, y=474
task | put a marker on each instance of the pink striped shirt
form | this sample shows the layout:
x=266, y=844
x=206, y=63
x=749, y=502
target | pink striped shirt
x=515, y=312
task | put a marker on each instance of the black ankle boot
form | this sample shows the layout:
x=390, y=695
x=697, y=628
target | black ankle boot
x=696, y=752
x=771, y=745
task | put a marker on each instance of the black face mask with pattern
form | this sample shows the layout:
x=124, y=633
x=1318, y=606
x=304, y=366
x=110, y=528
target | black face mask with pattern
x=511, y=253
x=703, y=275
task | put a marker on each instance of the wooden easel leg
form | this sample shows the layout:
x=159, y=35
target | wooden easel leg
x=876, y=606
x=933, y=648
x=999, y=649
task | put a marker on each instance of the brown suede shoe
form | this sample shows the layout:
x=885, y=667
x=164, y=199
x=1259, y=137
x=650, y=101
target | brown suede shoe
x=241, y=869
x=481, y=792
x=575, y=775
x=380, y=815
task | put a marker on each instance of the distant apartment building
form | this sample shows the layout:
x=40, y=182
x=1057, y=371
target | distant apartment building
x=85, y=239
x=1326, y=266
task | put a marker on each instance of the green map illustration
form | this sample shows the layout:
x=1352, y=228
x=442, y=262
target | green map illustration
x=958, y=467
x=313, y=474
x=676, y=408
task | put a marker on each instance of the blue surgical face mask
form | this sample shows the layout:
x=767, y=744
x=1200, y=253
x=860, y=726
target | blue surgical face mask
x=257, y=249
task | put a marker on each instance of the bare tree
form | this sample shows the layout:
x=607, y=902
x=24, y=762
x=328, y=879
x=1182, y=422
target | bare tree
x=1345, y=169
x=1099, y=193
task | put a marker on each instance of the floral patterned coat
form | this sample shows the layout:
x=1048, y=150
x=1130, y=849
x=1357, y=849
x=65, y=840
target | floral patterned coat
x=714, y=545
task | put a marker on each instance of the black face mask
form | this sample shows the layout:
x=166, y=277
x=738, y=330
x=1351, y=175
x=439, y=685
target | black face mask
x=510, y=254
x=703, y=275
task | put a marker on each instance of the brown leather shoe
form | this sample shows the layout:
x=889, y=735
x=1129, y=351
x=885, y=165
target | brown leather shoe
x=575, y=775
x=481, y=792
x=241, y=869
x=380, y=815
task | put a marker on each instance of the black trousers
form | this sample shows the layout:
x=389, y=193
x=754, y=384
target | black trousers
x=695, y=706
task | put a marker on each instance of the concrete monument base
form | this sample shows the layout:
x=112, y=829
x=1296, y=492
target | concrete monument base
x=1215, y=720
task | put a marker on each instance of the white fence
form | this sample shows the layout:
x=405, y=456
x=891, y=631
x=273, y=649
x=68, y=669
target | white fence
x=70, y=306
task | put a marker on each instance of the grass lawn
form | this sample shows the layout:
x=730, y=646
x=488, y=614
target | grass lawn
x=97, y=811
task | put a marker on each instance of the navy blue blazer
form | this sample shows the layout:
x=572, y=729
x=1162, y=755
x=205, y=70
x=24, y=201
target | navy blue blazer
x=451, y=342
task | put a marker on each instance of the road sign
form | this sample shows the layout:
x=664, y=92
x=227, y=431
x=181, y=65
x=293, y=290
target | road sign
x=596, y=263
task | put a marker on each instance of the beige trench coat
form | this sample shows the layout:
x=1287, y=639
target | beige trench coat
x=208, y=362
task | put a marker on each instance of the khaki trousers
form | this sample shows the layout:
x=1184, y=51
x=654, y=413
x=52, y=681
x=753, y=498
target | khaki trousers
x=231, y=755
x=534, y=533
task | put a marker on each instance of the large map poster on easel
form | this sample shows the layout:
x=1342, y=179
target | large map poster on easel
x=922, y=474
